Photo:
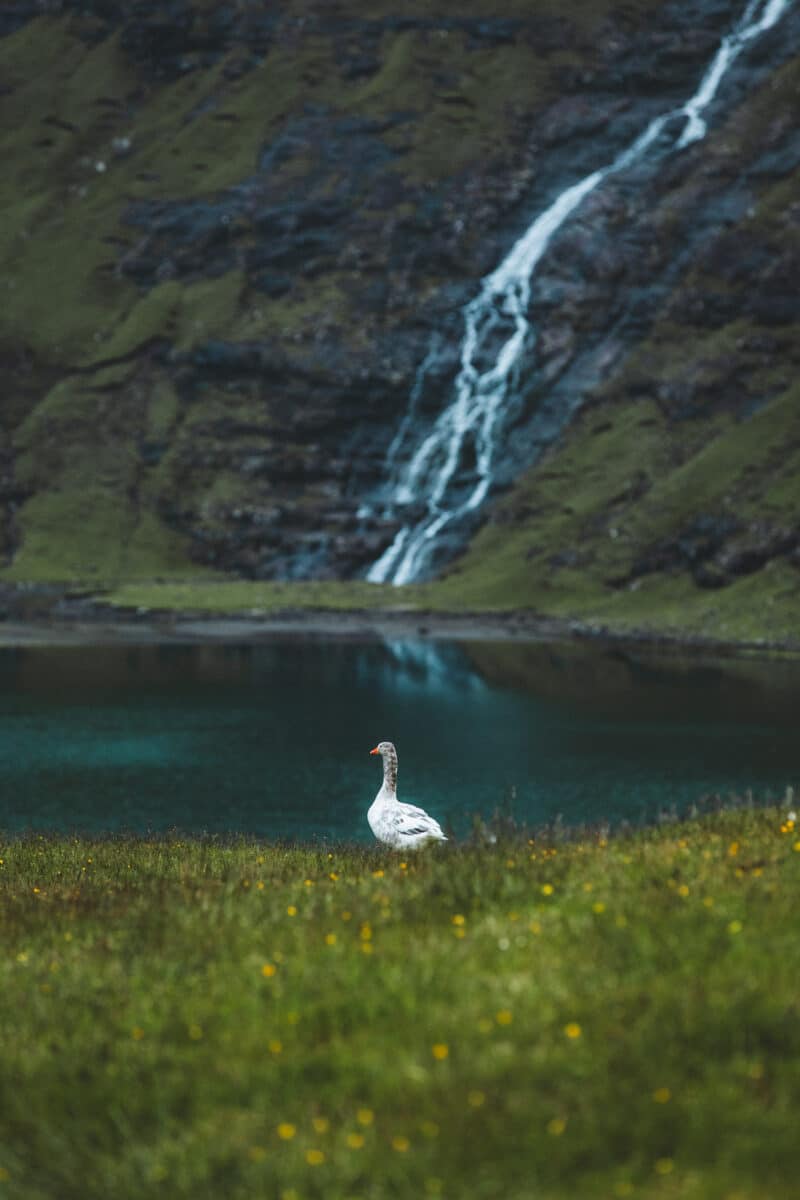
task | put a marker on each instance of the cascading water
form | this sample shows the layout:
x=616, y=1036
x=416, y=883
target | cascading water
x=497, y=333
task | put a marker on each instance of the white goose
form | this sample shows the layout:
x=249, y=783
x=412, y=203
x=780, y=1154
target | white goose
x=401, y=826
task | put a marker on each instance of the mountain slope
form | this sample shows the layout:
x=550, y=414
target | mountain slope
x=230, y=235
x=675, y=496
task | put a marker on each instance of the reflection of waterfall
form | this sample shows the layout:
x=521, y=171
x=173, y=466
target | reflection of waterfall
x=431, y=666
x=453, y=468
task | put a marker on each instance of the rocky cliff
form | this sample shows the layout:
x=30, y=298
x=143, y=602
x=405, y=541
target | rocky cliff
x=231, y=230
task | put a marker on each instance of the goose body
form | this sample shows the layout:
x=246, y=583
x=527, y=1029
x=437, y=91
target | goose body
x=401, y=826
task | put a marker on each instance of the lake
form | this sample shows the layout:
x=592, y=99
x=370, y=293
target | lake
x=273, y=739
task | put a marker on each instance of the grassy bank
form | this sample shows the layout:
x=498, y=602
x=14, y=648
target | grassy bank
x=588, y=1018
x=743, y=614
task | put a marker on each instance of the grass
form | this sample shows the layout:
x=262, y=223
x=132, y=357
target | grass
x=244, y=596
x=548, y=1017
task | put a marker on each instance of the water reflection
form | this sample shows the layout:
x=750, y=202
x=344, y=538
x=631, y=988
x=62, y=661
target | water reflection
x=273, y=739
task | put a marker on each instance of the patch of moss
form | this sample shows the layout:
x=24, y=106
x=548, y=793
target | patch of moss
x=85, y=528
x=247, y=597
x=162, y=410
x=56, y=131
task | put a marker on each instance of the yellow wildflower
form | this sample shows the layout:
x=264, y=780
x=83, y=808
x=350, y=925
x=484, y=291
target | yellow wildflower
x=291, y=911
x=330, y=939
x=598, y=907
x=286, y=1131
x=734, y=927
x=275, y=1046
x=365, y=1116
x=573, y=1030
x=458, y=919
x=504, y=1017
x=475, y=1098
x=321, y=1124
x=664, y=1166
x=662, y=1095
x=355, y=1140
x=547, y=889
x=440, y=1050
x=400, y=1143
x=315, y=1158
x=556, y=1126
x=268, y=970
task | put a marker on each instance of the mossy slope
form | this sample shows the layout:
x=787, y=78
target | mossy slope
x=225, y=244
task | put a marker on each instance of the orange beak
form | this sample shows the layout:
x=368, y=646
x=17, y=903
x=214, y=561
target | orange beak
x=375, y=751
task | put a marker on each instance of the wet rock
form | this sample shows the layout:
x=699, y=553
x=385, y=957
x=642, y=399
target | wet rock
x=238, y=358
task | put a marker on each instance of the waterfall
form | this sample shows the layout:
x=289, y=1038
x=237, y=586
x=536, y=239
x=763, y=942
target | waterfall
x=497, y=334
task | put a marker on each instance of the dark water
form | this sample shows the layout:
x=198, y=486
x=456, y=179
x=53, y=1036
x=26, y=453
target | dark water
x=274, y=739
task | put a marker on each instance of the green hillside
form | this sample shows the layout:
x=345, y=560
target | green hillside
x=228, y=236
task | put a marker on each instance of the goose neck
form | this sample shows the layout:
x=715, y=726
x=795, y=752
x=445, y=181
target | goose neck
x=390, y=772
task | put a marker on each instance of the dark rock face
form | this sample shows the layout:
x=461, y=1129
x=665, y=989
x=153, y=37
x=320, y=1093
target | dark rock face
x=716, y=549
x=257, y=328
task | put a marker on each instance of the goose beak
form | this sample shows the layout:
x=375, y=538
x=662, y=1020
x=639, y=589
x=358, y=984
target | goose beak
x=375, y=751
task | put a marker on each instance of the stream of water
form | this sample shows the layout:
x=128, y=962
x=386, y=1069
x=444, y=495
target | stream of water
x=273, y=739
x=452, y=469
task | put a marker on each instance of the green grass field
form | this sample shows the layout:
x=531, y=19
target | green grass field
x=531, y=1018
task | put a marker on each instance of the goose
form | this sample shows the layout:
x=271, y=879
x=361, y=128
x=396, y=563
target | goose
x=401, y=826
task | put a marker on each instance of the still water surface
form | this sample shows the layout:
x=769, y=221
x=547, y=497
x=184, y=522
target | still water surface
x=273, y=739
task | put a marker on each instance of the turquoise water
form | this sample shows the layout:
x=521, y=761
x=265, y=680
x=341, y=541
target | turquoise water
x=274, y=739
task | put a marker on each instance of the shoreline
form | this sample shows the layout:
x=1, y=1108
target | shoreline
x=92, y=624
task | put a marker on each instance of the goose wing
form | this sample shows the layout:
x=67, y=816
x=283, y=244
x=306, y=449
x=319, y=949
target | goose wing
x=410, y=821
